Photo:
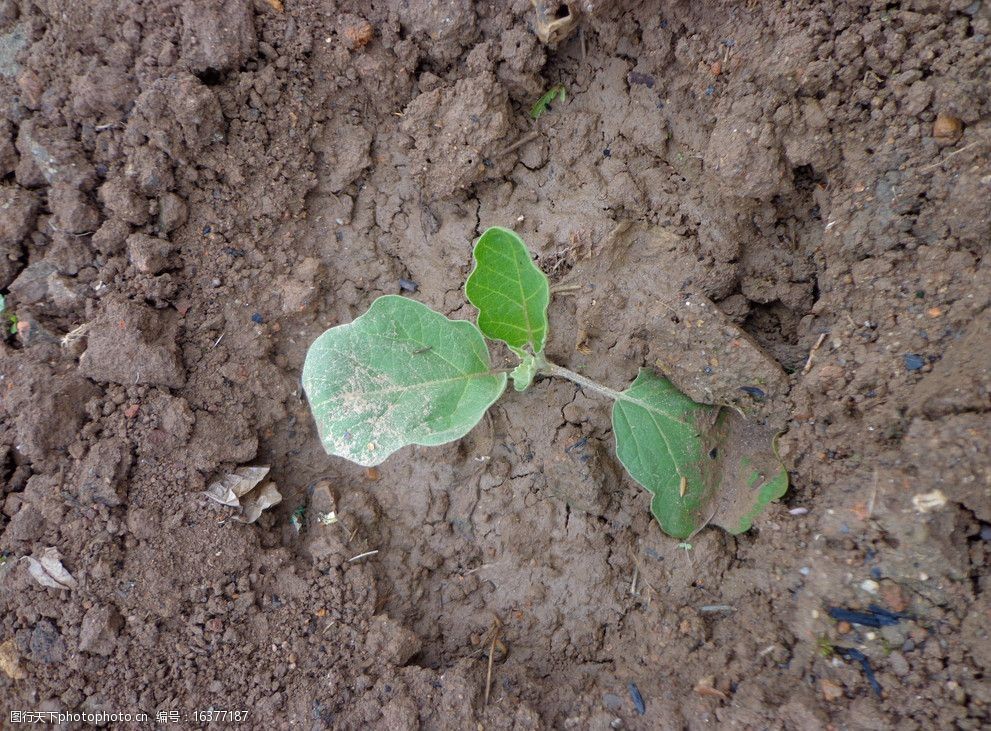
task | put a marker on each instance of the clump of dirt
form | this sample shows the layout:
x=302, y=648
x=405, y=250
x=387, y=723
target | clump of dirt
x=790, y=199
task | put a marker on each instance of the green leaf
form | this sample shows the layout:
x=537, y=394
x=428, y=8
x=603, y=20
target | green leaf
x=399, y=374
x=700, y=463
x=544, y=102
x=509, y=291
x=523, y=374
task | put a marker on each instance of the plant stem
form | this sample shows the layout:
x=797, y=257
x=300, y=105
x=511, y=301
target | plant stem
x=548, y=368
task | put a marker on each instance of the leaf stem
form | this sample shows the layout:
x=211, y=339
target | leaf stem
x=548, y=368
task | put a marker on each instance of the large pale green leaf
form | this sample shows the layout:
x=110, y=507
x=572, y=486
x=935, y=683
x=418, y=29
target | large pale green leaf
x=399, y=374
x=701, y=464
x=509, y=291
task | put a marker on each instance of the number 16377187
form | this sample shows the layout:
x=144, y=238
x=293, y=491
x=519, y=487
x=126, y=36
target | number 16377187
x=212, y=715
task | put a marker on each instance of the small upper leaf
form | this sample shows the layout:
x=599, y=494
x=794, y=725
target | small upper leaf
x=399, y=374
x=523, y=373
x=510, y=292
x=700, y=463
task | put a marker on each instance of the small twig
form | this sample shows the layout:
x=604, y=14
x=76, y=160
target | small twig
x=70, y=337
x=496, y=626
x=639, y=577
x=808, y=362
x=870, y=502
x=949, y=155
x=217, y=341
x=519, y=143
x=711, y=608
x=57, y=230
x=102, y=127
x=366, y=554
x=564, y=288
x=581, y=37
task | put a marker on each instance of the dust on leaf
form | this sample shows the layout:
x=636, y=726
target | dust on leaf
x=399, y=374
x=510, y=293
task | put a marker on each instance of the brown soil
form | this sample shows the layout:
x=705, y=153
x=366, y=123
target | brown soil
x=193, y=190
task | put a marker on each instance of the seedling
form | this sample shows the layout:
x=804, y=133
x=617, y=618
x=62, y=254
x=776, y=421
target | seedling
x=543, y=104
x=403, y=374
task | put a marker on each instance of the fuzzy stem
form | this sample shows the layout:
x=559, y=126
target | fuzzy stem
x=548, y=368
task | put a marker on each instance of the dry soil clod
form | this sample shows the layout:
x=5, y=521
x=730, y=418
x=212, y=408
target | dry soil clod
x=554, y=21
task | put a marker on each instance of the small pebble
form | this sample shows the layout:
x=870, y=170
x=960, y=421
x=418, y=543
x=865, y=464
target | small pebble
x=898, y=663
x=870, y=586
x=947, y=128
x=914, y=362
x=844, y=628
x=894, y=597
x=830, y=690
x=908, y=646
x=408, y=285
x=612, y=701
x=257, y=319
x=986, y=532
x=798, y=511
x=805, y=571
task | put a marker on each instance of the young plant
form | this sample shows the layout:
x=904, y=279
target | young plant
x=403, y=374
x=543, y=104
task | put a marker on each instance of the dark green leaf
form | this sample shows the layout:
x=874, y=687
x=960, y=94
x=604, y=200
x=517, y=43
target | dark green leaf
x=509, y=291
